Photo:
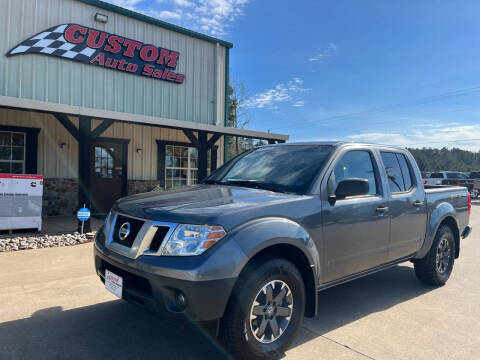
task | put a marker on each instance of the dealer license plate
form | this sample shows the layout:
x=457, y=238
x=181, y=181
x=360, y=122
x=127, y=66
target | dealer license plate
x=113, y=283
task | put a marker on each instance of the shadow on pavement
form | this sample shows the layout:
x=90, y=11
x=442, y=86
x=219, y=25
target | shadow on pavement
x=117, y=330
x=110, y=330
x=346, y=303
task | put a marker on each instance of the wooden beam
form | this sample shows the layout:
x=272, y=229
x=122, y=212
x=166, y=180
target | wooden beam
x=190, y=135
x=104, y=125
x=67, y=124
x=213, y=140
x=202, y=155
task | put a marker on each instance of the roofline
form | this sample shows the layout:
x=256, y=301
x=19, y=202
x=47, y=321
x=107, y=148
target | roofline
x=52, y=108
x=343, y=143
x=153, y=21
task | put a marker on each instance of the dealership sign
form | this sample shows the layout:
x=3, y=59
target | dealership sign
x=99, y=48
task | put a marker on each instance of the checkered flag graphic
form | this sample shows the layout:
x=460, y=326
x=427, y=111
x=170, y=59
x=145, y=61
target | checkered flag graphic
x=51, y=42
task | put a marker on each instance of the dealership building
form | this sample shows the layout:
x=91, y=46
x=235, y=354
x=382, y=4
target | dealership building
x=105, y=102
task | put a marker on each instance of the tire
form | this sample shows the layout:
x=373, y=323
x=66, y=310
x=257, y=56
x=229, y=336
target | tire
x=238, y=326
x=436, y=271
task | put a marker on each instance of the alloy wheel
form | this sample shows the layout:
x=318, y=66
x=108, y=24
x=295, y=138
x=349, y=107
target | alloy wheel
x=271, y=311
x=443, y=256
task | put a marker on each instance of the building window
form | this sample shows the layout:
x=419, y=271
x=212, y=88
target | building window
x=104, y=162
x=181, y=166
x=12, y=152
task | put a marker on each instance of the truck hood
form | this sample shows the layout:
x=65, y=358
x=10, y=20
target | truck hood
x=208, y=204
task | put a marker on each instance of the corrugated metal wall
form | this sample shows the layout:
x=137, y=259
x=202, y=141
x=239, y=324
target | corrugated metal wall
x=55, y=162
x=199, y=99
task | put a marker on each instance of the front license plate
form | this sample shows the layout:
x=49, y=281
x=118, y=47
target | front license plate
x=113, y=283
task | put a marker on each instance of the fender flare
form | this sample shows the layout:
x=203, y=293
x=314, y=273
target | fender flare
x=441, y=212
x=258, y=235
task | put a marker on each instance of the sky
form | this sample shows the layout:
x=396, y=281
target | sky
x=394, y=72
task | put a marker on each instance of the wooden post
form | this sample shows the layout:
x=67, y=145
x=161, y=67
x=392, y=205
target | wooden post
x=84, y=130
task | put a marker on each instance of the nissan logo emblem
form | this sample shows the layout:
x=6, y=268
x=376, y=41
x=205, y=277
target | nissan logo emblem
x=124, y=231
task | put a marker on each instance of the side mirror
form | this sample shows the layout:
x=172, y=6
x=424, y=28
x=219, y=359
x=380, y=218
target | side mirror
x=352, y=187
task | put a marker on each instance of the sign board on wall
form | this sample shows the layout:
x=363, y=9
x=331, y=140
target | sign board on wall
x=21, y=201
x=95, y=47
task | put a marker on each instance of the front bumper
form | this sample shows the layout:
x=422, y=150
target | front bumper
x=153, y=283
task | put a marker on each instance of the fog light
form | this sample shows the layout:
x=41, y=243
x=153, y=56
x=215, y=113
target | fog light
x=181, y=300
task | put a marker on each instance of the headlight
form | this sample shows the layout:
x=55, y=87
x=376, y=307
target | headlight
x=188, y=240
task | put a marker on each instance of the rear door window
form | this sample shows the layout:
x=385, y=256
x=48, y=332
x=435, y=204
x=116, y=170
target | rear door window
x=394, y=172
x=406, y=172
x=436, y=176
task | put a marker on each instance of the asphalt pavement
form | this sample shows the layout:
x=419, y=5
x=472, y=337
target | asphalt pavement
x=53, y=306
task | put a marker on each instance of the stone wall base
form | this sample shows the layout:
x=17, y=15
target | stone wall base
x=60, y=196
x=141, y=186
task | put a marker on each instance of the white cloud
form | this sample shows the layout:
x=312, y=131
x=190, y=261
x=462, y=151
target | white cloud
x=279, y=94
x=210, y=16
x=184, y=3
x=462, y=136
x=324, y=54
x=166, y=14
x=129, y=4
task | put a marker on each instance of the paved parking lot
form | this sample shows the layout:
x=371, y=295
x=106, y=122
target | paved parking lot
x=52, y=306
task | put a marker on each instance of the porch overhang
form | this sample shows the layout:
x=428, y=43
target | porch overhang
x=55, y=108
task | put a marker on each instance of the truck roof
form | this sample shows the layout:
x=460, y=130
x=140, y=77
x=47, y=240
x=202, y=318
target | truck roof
x=337, y=144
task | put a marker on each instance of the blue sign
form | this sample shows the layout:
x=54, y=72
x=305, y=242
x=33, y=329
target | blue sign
x=83, y=214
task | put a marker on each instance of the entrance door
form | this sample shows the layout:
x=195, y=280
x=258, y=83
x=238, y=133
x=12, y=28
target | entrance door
x=107, y=174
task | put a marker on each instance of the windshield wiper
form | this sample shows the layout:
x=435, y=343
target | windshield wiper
x=217, y=182
x=254, y=184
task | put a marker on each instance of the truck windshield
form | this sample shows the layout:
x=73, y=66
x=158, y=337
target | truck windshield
x=286, y=168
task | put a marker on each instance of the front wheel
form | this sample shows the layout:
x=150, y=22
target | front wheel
x=265, y=311
x=435, y=268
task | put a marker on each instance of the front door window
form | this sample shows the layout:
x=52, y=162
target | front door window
x=104, y=162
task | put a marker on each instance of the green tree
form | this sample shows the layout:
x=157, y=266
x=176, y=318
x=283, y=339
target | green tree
x=454, y=159
x=238, y=117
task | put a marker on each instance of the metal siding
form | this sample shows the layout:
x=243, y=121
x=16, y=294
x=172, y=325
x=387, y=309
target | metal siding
x=56, y=80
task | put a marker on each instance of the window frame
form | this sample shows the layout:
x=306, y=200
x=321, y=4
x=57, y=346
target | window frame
x=189, y=168
x=376, y=174
x=161, y=159
x=11, y=161
x=410, y=170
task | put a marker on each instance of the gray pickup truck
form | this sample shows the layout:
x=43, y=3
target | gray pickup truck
x=249, y=248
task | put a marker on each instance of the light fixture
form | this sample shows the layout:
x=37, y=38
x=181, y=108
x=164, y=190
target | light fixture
x=101, y=18
x=63, y=145
x=138, y=150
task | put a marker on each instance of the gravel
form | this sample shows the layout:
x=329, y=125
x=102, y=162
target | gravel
x=16, y=243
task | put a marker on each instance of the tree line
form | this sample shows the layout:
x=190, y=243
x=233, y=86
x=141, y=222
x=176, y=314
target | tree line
x=446, y=159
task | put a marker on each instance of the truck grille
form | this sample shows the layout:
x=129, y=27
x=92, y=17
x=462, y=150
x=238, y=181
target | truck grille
x=126, y=230
x=158, y=238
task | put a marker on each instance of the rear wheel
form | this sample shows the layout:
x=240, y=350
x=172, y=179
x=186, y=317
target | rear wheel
x=435, y=268
x=265, y=311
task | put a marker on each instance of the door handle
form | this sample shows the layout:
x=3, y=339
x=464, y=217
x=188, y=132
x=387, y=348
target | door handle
x=382, y=209
x=418, y=203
